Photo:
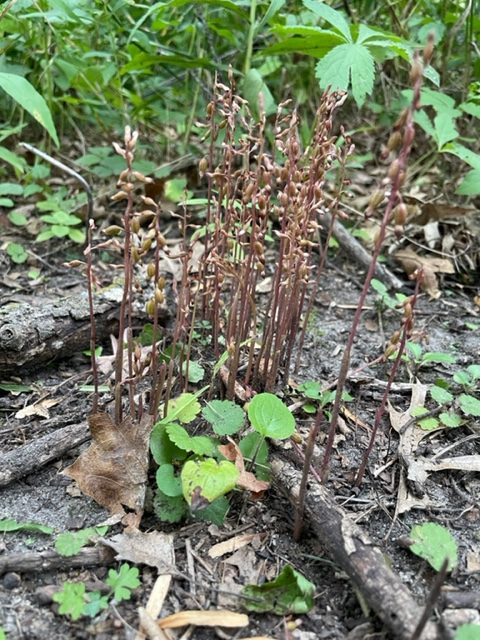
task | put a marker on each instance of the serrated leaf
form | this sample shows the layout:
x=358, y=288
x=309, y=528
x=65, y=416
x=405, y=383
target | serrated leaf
x=71, y=600
x=201, y=445
x=70, y=542
x=289, y=593
x=29, y=99
x=196, y=372
x=345, y=65
x=440, y=395
x=469, y=405
x=168, y=482
x=428, y=424
x=169, y=509
x=163, y=449
x=123, y=581
x=462, y=377
x=270, y=417
x=311, y=389
x=225, y=416
x=9, y=524
x=95, y=603
x=216, y=512
x=208, y=479
x=330, y=15
x=450, y=419
x=434, y=543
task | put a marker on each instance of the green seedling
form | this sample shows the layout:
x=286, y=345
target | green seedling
x=16, y=252
x=467, y=632
x=71, y=542
x=416, y=358
x=75, y=601
x=289, y=593
x=322, y=399
x=434, y=543
x=458, y=407
x=8, y=525
x=384, y=300
x=3, y=635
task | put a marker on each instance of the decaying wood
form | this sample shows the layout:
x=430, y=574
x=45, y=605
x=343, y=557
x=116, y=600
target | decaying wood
x=29, y=457
x=36, y=561
x=33, y=334
x=359, y=253
x=354, y=552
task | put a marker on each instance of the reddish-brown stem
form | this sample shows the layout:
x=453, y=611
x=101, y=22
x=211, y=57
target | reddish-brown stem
x=312, y=437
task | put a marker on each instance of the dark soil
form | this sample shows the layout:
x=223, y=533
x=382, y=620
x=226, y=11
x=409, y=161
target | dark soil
x=26, y=608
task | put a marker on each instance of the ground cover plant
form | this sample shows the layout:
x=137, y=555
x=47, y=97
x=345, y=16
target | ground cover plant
x=202, y=412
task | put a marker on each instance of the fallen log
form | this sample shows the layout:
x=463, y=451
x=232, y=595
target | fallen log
x=34, y=334
x=40, y=561
x=349, y=546
x=34, y=455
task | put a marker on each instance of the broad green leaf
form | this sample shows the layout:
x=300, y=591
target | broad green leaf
x=428, y=424
x=440, y=395
x=432, y=74
x=422, y=119
x=163, y=450
x=316, y=45
x=9, y=524
x=471, y=108
x=345, y=65
x=16, y=161
x=439, y=357
x=470, y=185
x=169, y=509
x=255, y=449
x=474, y=371
x=450, y=419
x=464, y=153
x=270, y=416
x=445, y=130
x=200, y=445
x=123, y=581
x=10, y=189
x=225, y=416
x=29, y=99
x=17, y=252
x=462, y=377
x=77, y=235
x=469, y=405
x=289, y=593
x=330, y=15
x=184, y=408
x=17, y=218
x=196, y=372
x=273, y=9
x=215, y=512
x=71, y=599
x=469, y=631
x=207, y=479
x=168, y=482
x=434, y=543
x=311, y=389
x=253, y=86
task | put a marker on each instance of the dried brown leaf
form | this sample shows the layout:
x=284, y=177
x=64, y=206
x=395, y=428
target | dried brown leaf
x=39, y=409
x=411, y=261
x=204, y=619
x=154, y=549
x=113, y=470
x=231, y=545
x=246, y=479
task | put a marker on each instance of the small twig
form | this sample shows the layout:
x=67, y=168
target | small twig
x=431, y=600
x=312, y=436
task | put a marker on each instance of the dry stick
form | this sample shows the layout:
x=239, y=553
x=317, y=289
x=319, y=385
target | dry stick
x=41, y=561
x=397, y=176
x=431, y=600
x=406, y=331
x=93, y=337
x=350, y=547
x=312, y=437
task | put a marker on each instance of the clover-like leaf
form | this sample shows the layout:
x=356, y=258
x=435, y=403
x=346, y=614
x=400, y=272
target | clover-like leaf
x=201, y=445
x=123, y=581
x=71, y=599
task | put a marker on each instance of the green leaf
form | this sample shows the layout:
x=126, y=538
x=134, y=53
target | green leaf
x=434, y=543
x=414, y=350
x=463, y=378
x=77, y=235
x=450, y=419
x=474, y=371
x=253, y=85
x=17, y=253
x=215, y=512
x=311, y=389
x=464, y=153
x=289, y=593
x=169, y=509
x=163, y=449
x=330, y=15
x=445, y=130
x=29, y=99
x=18, y=219
x=16, y=161
x=2, y=634
x=270, y=417
x=318, y=44
x=14, y=388
x=254, y=447
x=438, y=357
x=348, y=64
x=207, y=479
x=440, y=395
x=471, y=108
x=71, y=600
x=11, y=189
x=201, y=445
x=196, y=372
x=469, y=405
x=468, y=631
x=225, y=416
x=168, y=482
x=123, y=581
x=470, y=185
x=9, y=524
x=428, y=424
x=95, y=603
x=184, y=408
x=70, y=542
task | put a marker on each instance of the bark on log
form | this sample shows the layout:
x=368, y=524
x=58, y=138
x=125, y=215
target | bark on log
x=35, y=334
x=36, y=561
x=29, y=457
x=354, y=552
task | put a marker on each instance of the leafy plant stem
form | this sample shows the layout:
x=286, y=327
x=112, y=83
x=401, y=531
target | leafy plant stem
x=312, y=437
x=397, y=173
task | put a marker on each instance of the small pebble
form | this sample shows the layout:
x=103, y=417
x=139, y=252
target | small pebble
x=11, y=580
